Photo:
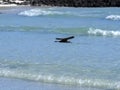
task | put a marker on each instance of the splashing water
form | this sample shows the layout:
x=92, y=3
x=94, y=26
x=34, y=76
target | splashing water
x=113, y=17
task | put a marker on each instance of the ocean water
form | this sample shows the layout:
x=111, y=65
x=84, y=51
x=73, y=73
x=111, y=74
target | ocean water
x=28, y=50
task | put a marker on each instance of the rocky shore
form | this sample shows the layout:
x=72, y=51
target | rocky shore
x=77, y=3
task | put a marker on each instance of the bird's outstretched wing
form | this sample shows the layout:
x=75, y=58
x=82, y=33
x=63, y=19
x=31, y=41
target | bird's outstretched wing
x=67, y=38
x=64, y=39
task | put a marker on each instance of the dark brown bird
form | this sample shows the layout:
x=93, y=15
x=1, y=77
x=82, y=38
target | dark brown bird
x=64, y=40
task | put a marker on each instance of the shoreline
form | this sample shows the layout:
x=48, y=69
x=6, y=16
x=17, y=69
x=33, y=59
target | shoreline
x=4, y=6
x=8, y=5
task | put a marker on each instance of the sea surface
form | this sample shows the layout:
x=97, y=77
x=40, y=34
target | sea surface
x=28, y=50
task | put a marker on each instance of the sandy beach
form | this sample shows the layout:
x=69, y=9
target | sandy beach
x=2, y=6
x=7, y=5
x=13, y=6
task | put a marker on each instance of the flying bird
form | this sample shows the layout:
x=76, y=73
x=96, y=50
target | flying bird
x=64, y=40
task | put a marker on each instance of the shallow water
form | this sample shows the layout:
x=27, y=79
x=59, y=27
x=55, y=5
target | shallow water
x=28, y=49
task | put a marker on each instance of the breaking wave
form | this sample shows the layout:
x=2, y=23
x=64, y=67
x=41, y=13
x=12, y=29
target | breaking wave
x=57, y=12
x=34, y=72
x=76, y=31
x=113, y=17
x=38, y=12
x=65, y=80
x=100, y=32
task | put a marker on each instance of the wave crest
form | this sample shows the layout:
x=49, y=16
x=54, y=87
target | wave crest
x=113, y=17
x=100, y=32
x=76, y=31
x=65, y=80
x=38, y=12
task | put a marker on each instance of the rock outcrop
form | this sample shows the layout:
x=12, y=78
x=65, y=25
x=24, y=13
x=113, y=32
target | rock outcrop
x=77, y=3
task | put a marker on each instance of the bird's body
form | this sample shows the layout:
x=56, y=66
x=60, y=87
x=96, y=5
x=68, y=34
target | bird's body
x=64, y=40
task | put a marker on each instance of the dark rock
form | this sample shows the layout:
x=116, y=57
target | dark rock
x=77, y=3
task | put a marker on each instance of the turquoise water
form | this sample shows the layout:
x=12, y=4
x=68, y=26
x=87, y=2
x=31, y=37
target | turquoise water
x=28, y=50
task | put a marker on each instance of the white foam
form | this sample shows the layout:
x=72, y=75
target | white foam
x=100, y=32
x=113, y=17
x=37, y=12
x=66, y=80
